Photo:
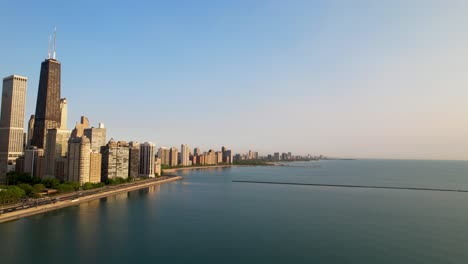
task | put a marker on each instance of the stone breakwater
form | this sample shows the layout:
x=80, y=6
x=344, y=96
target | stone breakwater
x=61, y=204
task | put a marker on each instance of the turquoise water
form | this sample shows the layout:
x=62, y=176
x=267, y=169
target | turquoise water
x=206, y=218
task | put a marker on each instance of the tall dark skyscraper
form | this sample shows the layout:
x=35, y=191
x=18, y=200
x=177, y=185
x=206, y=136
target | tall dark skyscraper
x=48, y=113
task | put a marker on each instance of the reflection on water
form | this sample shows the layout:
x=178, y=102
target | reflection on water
x=207, y=218
x=88, y=226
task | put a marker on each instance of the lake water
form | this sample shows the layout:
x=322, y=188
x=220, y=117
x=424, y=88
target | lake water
x=207, y=218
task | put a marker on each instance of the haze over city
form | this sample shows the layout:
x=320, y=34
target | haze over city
x=359, y=80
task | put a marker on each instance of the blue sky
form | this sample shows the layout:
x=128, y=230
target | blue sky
x=370, y=79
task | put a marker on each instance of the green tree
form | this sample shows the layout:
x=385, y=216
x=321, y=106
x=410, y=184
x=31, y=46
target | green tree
x=87, y=186
x=51, y=183
x=65, y=187
x=28, y=189
x=11, y=194
x=38, y=187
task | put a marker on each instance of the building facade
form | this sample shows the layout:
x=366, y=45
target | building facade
x=48, y=113
x=30, y=129
x=97, y=136
x=147, y=160
x=12, y=121
x=79, y=157
x=157, y=167
x=184, y=155
x=134, y=160
x=32, y=161
x=173, y=157
x=57, y=147
x=164, y=155
x=115, y=160
x=95, y=162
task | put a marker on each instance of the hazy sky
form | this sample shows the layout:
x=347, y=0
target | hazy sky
x=369, y=79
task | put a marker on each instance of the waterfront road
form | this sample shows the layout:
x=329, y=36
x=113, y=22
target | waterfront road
x=79, y=196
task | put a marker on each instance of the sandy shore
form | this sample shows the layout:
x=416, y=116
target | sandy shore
x=50, y=207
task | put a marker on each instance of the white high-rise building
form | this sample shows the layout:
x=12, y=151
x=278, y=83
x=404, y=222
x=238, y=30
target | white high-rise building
x=12, y=121
x=147, y=159
x=185, y=155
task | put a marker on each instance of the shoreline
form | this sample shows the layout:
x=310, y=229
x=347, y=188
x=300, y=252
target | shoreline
x=6, y=217
x=197, y=168
x=217, y=167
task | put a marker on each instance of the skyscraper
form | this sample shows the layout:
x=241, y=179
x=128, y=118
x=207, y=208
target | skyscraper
x=32, y=160
x=79, y=157
x=57, y=144
x=184, y=150
x=48, y=112
x=30, y=130
x=97, y=137
x=80, y=127
x=173, y=157
x=95, y=167
x=164, y=155
x=12, y=121
x=196, y=151
x=63, y=113
x=134, y=159
x=147, y=159
x=115, y=160
x=57, y=147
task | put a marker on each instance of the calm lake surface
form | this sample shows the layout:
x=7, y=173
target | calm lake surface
x=207, y=218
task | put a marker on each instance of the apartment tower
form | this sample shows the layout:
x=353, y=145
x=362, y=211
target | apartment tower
x=12, y=121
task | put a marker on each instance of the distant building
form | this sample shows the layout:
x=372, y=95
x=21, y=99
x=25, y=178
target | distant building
x=227, y=155
x=31, y=157
x=173, y=157
x=30, y=130
x=157, y=167
x=196, y=151
x=219, y=157
x=184, y=152
x=164, y=154
x=147, y=160
x=193, y=159
x=79, y=158
x=12, y=121
x=134, y=159
x=63, y=113
x=210, y=157
x=115, y=160
x=276, y=156
x=78, y=131
x=97, y=137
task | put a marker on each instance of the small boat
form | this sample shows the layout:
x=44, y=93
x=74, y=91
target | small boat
x=75, y=200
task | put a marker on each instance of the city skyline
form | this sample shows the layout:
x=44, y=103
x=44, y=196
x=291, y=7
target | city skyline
x=374, y=101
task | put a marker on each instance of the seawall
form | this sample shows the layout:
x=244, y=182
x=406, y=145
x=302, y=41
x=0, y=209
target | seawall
x=50, y=207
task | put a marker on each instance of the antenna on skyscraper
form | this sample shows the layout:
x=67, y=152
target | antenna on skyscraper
x=48, y=47
x=55, y=35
